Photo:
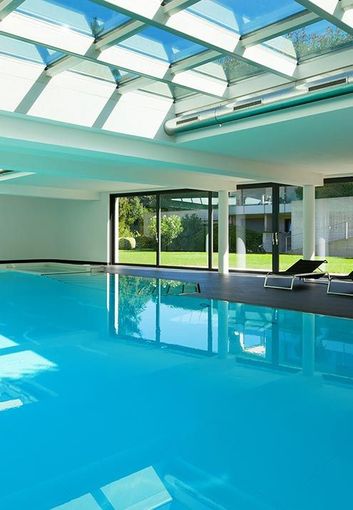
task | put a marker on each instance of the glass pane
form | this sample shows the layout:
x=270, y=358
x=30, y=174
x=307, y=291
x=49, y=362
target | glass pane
x=315, y=39
x=102, y=72
x=228, y=68
x=84, y=16
x=180, y=92
x=290, y=225
x=250, y=229
x=334, y=226
x=235, y=69
x=184, y=229
x=136, y=229
x=27, y=51
x=244, y=16
x=163, y=45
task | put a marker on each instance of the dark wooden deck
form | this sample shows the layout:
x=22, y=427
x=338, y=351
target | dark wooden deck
x=248, y=288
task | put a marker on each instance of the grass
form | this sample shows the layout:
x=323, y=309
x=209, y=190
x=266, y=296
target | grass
x=260, y=261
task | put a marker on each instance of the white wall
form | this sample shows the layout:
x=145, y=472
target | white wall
x=42, y=228
x=83, y=229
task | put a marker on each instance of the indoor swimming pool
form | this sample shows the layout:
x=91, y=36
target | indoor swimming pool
x=129, y=393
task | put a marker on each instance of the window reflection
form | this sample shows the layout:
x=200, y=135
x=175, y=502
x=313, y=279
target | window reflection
x=23, y=364
x=143, y=489
x=279, y=340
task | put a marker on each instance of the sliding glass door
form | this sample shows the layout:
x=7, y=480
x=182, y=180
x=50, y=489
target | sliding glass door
x=184, y=225
x=136, y=229
x=290, y=225
x=180, y=228
x=253, y=228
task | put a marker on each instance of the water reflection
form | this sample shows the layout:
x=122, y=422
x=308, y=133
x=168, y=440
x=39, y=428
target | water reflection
x=140, y=490
x=276, y=339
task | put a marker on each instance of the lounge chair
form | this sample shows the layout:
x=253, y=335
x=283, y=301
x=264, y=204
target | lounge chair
x=347, y=278
x=301, y=270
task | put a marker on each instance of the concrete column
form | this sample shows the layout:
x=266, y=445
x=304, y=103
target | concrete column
x=223, y=232
x=308, y=221
x=115, y=239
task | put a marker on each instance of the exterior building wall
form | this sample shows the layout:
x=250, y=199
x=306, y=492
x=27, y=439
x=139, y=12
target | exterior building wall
x=334, y=226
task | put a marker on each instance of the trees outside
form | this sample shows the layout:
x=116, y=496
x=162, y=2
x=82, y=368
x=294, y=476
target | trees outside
x=131, y=212
x=193, y=236
x=330, y=190
x=306, y=41
x=171, y=228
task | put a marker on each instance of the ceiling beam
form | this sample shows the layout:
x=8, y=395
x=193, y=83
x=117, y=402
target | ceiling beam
x=63, y=64
x=135, y=84
x=81, y=151
x=259, y=36
x=280, y=28
x=347, y=4
x=25, y=29
x=333, y=11
x=106, y=41
x=119, y=34
x=8, y=6
x=174, y=6
x=48, y=192
x=194, y=61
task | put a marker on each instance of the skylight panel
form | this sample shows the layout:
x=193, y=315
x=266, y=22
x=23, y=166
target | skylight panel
x=245, y=16
x=26, y=51
x=162, y=45
x=83, y=16
x=312, y=40
x=102, y=72
x=229, y=68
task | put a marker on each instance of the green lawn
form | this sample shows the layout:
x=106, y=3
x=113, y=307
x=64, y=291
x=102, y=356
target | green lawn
x=260, y=261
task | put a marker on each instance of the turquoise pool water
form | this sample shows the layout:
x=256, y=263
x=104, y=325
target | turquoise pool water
x=117, y=394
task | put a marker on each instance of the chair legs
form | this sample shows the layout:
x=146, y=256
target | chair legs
x=342, y=282
x=281, y=277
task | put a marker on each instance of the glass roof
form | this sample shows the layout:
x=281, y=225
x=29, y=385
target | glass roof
x=84, y=16
x=197, y=56
x=26, y=51
x=245, y=16
x=102, y=72
x=318, y=38
x=162, y=45
x=315, y=39
x=236, y=69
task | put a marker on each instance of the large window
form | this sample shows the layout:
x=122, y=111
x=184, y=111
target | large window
x=334, y=225
x=164, y=228
x=136, y=229
x=251, y=228
x=184, y=225
x=180, y=228
x=290, y=223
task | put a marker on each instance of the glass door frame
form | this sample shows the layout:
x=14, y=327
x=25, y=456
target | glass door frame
x=211, y=194
x=275, y=192
x=158, y=195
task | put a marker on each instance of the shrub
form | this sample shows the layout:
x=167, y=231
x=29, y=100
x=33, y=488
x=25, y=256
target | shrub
x=127, y=243
x=146, y=243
